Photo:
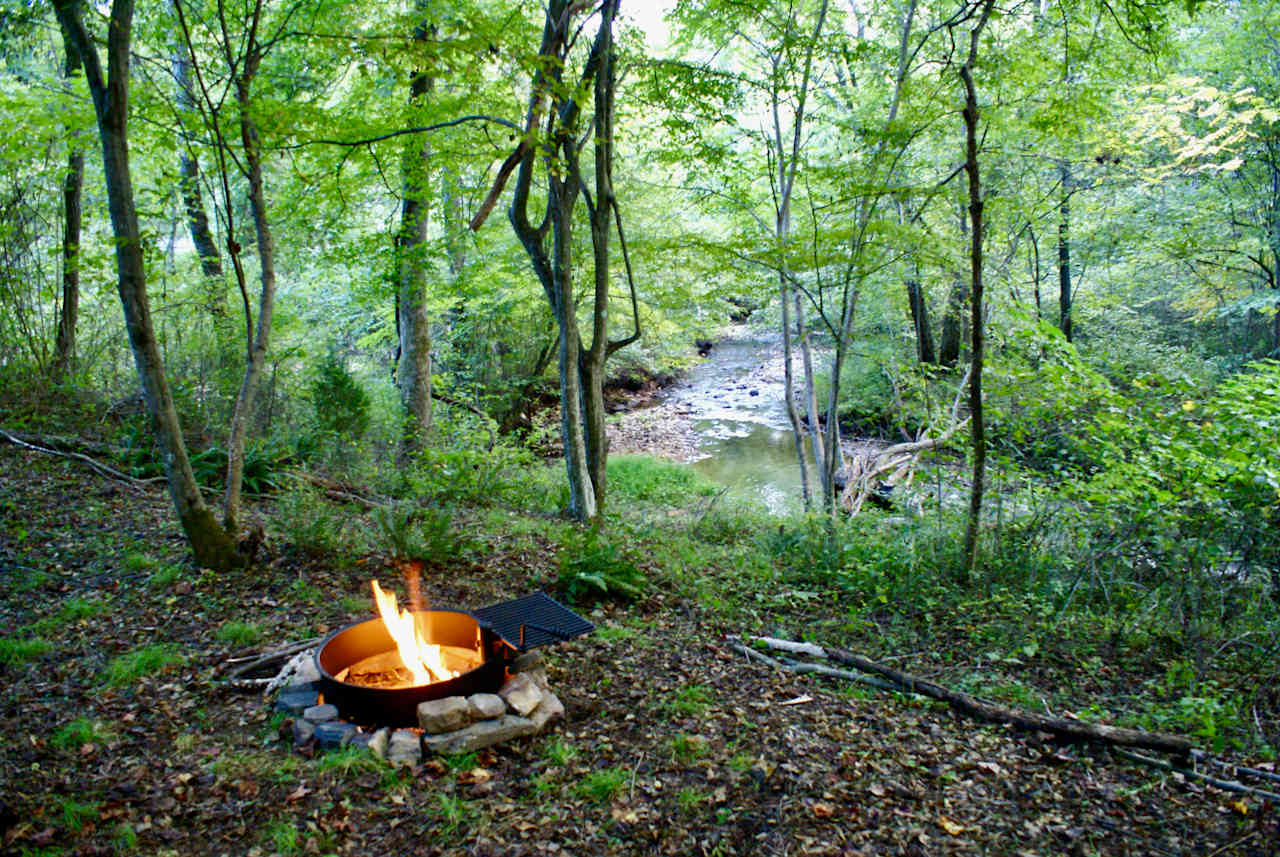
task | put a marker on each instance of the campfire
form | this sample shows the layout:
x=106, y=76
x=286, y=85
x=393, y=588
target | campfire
x=379, y=671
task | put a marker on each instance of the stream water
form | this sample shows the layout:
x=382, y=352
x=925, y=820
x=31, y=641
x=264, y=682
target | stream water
x=734, y=400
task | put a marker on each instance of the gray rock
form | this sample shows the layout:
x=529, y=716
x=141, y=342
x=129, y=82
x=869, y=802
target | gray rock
x=404, y=748
x=444, y=715
x=484, y=733
x=303, y=731
x=306, y=673
x=321, y=713
x=486, y=706
x=550, y=709
x=334, y=733
x=527, y=661
x=521, y=694
x=539, y=677
x=378, y=742
x=295, y=701
x=361, y=740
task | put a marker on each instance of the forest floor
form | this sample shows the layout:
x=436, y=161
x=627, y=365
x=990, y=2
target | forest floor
x=119, y=737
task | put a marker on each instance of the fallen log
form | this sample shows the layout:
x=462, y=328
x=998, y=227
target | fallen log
x=990, y=712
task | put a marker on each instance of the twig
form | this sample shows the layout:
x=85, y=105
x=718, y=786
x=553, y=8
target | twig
x=1225, y=785
x=266, y=658
x=818, y=669
x=1201, y=756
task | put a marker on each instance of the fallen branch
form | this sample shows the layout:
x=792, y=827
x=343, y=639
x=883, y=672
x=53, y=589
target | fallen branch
x=818, y=669
x=96, y=466
x=266, y=659
x=990, y=712
x=488, y=420
x=335, y=491
x=1216, y=782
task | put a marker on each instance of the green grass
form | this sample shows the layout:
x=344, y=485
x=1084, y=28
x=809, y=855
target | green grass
x=123, y=838
x=692, y=700
x=559, y=752
x=240, y=633
x=81, y=731
x=75, y=814
x=283, y=837
x=688, y=748
x=165, y=576
x=455, y=813
x=688, y=799
x=17, y=652
x=76, y=609
x=602, y=786
x=350, y=761
x=131, y=667
x=652, y=480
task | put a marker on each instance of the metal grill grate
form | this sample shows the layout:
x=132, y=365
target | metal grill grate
x=533, y=621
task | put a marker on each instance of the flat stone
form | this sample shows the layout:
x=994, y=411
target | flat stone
x=539, y=677
x=378, y=742
x=334, y=733
x=405, y=748
x=521, y=694
x=321, y=713
x=295, y=701
x=484, y=733
x=551, y=709
x=303, y=732
x=444, y=715
x=361, y=740
x=527, y=661
x=486, y=706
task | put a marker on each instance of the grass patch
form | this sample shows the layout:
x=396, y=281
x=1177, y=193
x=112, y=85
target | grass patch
x=81, y=731
x=691, y=700
x=653, y=480
x=602, y=786
x=17, y=652
x=688, y=748
x=76, y=609
x=559, y=752
x=74, y=814
x=240, y=633
x=283, y=837
x=131, y=667
x=350, y=761
x=689, y=799
x=165, y=576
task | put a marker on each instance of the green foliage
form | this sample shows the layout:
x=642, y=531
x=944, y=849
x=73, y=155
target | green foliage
x=592, y=567
x=420, y=534
x=653, y=480
x=264, y=463
x=75, y=814
x=468, y=474
x=128, y=669
x=283, y=836
x=559, y=752
x=350, y=762
x=692, y=700
x=602, y=786
x=15, y=652
x=341, y=404
x=240, y=633
x=312, y=524
x=74, y=735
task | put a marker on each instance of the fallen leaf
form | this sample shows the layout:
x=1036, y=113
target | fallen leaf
x=878, y=790
x=475, y=776
x=823, y=810
x=1240, y=806
x=299, y=793
x=627, y=816
x=950, y=826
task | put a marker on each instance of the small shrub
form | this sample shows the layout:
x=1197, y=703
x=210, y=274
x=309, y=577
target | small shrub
x=602, y=786
x=131, y=667
x=591, y=568
x=16, y=652
x=559, y=752
x=688, y=748
x=341, y=404
x=314, y=525
x=424, y=534
x=165, y=575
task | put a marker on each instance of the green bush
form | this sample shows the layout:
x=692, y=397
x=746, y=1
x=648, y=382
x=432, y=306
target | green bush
x=424, y=534
x=592, y=568
x=341, y=404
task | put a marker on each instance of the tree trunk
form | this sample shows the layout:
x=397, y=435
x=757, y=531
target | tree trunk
x=212, y=546
x=413, y=370
x=920, y=321
x=256, y=341
x=811, y=399
x=976, y=426
x=189, y=176
x=1064, y=254
x=65, y=344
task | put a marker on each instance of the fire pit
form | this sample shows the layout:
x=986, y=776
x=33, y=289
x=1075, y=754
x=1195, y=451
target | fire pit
x=378, y=672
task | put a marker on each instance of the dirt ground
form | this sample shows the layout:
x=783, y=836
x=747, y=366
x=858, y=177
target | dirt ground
x=673, y=743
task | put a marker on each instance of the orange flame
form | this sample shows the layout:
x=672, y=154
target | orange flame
x=424, y=660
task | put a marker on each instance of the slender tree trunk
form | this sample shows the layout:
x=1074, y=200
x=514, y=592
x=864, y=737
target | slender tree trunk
x=256, y=340
x=1064, y=254
x=977, y=427
x=811, y=396
x=72, y=212
x=212, y=546
x=413, y=370
x=789, y=388
x=920, y=321
x=189, y=176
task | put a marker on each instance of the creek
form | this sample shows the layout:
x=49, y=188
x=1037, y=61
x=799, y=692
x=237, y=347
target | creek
x=733, y=400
